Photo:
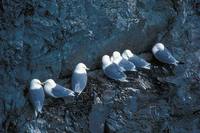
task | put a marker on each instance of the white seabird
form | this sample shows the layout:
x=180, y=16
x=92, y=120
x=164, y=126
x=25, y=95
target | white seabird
x=56, y=90
x=136, y=60
x=36, y=95
x=112, y=70
x=162, y=54
x=124, y=64
x=79, y=78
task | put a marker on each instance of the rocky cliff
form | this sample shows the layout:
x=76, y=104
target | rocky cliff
x=46, y=39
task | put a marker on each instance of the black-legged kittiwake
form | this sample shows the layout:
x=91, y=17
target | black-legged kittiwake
x=162, y=54
x=36, y=95
x=136, y=60
x=79, y=78
x=55, y=90
x=124, y=64
x=112, y=70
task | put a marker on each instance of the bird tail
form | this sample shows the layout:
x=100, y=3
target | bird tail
x=73, y=94
x=124, y=80
x=36, y=113
x=133, y=69
x=147, y=67
x=38, y=109
x=122, y=69
x=76, y=95
x=76, y=98
x=178, y=63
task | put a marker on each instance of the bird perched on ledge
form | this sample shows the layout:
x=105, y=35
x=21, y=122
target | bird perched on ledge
x=79, y=78
x=124, y=64
x=36, y=95
x=162, y=54
x=55, y=90
x=112, y=70
x=136, y=60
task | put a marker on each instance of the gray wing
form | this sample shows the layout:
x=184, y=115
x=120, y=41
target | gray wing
x=37, y=98
x=113, y=71
x=139, y=62
x=127, y=65
x=60, y=91
x=79, y=82
x=166, y=57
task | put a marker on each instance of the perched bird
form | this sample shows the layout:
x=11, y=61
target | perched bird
x=79, y=78
x=56, y=90
x=136, y=60
x=124, y=64
x=36, y=95
x=162, y=54
x=112, y=70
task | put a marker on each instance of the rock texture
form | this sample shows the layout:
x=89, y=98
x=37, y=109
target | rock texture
x=46, y=39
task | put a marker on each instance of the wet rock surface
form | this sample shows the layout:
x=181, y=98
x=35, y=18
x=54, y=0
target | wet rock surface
x=42, y=40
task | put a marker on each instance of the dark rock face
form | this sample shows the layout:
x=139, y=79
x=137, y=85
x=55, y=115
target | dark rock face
x=46, y=39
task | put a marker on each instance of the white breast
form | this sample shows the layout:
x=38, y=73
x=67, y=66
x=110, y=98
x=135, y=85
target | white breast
x=35, y=86
x=80, y=71
x=117, y=60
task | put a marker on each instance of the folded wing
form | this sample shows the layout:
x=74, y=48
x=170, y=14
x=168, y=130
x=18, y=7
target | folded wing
x=79, y=82
x=59, y=91
x=113, y=71
x=166, y=57
x=37, y=98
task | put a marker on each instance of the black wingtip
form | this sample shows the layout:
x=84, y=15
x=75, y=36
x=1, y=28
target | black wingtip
x=76, y=95
x=181, y=62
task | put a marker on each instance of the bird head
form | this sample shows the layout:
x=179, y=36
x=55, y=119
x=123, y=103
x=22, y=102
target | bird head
x=106, y=60
x=49, y=83
x=127, y=54
x=157, y=47
x=82, y=66
x=116, y=54
x=35, y=84
x=116, y=57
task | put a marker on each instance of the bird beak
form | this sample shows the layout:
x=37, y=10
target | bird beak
x=42, y=83
x=87, y=68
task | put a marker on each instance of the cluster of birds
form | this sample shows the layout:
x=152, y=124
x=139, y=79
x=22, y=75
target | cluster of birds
x=113, y=67
x=38, y=89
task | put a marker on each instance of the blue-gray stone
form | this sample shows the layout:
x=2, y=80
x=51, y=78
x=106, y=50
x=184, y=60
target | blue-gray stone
x=45, y=39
